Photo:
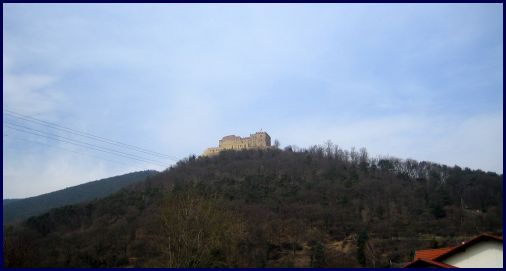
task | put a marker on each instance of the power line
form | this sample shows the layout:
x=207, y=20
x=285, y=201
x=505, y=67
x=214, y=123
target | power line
x=84, y=144
x=84, y=134
x=69, y=150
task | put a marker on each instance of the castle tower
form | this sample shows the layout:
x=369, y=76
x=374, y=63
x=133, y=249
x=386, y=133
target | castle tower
x=258, y=140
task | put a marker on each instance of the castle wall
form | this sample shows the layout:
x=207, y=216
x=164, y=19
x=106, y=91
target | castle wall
x=232, y=142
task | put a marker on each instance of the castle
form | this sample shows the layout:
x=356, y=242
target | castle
x=258, y=140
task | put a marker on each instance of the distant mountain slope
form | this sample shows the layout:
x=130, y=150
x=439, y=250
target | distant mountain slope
x=9, y=201
x=19, y=209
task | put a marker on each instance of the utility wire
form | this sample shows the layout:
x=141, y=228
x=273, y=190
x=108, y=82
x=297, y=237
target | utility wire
x=69, y=150
x=84, y=134
x=84, y=144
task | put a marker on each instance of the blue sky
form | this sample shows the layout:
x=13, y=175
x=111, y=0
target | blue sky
x=413, y=81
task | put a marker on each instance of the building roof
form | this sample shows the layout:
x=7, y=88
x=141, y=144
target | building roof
x=431, y=253
x=427, y=263
x=465, y=245
x=419, y=263
x=230, y=137
x=434, y=257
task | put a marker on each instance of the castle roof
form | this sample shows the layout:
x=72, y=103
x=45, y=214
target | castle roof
x=230, y=137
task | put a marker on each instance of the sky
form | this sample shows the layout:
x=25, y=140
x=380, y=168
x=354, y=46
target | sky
x=419, y=81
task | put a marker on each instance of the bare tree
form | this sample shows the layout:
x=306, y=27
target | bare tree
x=276, y=144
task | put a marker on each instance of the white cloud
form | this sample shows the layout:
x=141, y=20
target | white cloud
x=34, y=170
x=176, y=78
x=475, y=142
x=189, y=119
x=28, y=93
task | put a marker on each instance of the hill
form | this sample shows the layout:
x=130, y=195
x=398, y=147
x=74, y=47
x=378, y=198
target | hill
x=9, y=201
x=19, y=209
x=316, y=207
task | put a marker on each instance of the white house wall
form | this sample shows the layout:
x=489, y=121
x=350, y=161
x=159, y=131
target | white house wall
x=487, y=254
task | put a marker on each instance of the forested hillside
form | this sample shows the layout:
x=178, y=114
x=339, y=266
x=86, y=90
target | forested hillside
x=19, y=209
x=316, y=207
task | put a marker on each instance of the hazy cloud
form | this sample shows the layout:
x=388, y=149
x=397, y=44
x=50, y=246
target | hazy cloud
x=475, y=142
x=409, y=80
x=28, y=93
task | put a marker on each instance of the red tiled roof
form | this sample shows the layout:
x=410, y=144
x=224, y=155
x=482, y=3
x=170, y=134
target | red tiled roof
x=463, y=246
x=431, y=253
x=427, y=263
x=432, y=257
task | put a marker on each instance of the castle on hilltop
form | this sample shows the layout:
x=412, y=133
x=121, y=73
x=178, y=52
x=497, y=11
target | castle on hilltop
x=258, y=140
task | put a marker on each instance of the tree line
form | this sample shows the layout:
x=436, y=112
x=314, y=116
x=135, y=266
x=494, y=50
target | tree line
x=305, y=207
